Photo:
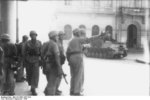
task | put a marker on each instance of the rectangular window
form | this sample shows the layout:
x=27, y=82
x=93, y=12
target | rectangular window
x=138, y=3
x=96, y=3
x=68, y=2
x=106, y=3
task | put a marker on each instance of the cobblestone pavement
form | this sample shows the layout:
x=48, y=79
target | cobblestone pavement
x=103, y=77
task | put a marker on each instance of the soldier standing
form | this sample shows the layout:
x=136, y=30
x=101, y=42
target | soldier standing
x=22, y=64
x=75, y=59
x=10, y=53
x=1, y=69
x=32, y=52
x=52, y=67
x=62, y=58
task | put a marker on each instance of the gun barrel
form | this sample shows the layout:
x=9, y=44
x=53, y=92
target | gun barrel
x=64, y=76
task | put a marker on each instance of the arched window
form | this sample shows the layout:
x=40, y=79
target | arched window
x=68, y=31
x=95, y=30
x=109, y=29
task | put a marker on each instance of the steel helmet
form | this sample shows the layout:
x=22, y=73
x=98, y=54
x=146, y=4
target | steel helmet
x=33, y=33
x=52, y=34
x=5, y=36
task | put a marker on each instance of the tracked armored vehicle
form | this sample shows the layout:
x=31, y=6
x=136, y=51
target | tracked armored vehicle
x=105, y=47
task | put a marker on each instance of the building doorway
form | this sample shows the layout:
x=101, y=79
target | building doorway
x=95, y=30
x=132, y=36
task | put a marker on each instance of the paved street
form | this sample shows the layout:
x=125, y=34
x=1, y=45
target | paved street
x=105, y=78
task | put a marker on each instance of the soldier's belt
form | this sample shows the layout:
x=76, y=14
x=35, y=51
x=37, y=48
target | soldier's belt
x=33, y=55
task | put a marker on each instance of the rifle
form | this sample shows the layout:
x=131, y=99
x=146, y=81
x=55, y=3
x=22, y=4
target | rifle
x=143, y=62
x=64, y=76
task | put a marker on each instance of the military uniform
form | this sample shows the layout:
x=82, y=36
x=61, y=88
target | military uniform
x=75, y=59
x=1, y=70
x=20, y=72
x=10, y=53
x=32, y=52
x=62, y=61
x=50, y=55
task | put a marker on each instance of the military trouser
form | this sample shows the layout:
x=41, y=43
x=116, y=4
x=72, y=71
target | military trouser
x=77, y=73
x=58, y=83
x=32, y=71
x=52, y=79
x=20, y=72
x=9, y=81
x=1, y=81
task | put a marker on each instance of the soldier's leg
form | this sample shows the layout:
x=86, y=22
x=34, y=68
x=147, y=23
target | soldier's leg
x=82, y=80
x=5, y=88
x=28, y=72
x=45, y=91
x=78, y=78
x=20, y=73
x=72, y=78
x=1, y=82
x=35, y=78
x=58, y=92
x=77, y=75
x=52, y=82
x=11, y=82
x=35, y=75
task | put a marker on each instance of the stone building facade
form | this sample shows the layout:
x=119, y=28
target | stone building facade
x=125, y=19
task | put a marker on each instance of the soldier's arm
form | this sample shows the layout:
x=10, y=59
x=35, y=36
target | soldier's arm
x=40, y=48
x=57, y=59
x=1, y=60
x=67, y=53
x=88, y=40
x=24, y=50
x=14, y=52
x=43, y=50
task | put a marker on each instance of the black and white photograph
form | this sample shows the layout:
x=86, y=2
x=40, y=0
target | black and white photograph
x=74, y=48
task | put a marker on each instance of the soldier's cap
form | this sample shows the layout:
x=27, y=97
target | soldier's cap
x=52, y=34
x=33, y=33
x=25, y=36
x=60, y=33
x=5, y=36
x=82, y=31
x=76, y=32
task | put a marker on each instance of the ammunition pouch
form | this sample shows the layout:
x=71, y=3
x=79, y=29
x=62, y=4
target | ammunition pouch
x=48, y=63
x=33, y=52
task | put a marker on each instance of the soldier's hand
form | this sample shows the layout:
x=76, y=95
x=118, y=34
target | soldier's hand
x=60, y=72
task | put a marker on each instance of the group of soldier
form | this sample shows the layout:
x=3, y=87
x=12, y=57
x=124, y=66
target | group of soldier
x=50, y=56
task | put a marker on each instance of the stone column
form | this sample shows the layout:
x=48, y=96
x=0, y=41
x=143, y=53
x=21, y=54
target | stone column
x=8, y=18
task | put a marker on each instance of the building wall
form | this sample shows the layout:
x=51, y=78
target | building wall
x=44, y=16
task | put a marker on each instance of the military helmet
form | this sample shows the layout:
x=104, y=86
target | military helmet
x=76, y=32
x=25, y=36
x=5, y=36
x=60, y=33
x=33, y=33
x=52, y=34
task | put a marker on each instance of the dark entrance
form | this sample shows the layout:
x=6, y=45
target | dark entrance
x=132, y=36
x=95, y=30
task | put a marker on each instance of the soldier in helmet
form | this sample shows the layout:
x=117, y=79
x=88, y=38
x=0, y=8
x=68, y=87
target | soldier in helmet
x=10, y=53
x=20, y=73
x=75, y=59
x=52, y=67
x=1, y=69
x=32, y=54
x=62, y=58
